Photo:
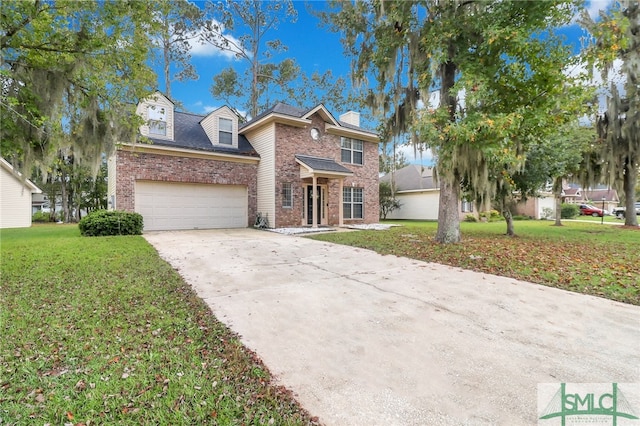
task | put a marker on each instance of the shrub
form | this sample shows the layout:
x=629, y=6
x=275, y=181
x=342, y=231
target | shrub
x=41, y=217
x=547, y=213
x=569, y=211
x=102, y=222
x=470, y=218
x=522, y=217
x=492, y=216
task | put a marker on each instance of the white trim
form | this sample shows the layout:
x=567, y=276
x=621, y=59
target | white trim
x=324, y=113
x=352, y=133
x=32, y=186
x=277, y=118
x=191, y=153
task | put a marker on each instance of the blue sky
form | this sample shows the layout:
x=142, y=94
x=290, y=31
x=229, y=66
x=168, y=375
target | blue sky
x=313, y=47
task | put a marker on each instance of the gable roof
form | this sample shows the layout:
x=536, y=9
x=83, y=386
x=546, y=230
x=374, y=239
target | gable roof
x=189, y=134
x=301, y=117
x=318, y=164
x=413, y=177
x=18, y=176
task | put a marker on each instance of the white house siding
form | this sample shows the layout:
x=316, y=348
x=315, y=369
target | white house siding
x=111, y=181
x=535, y=206
x=15, y=200
x=210, y=125
x=417, y=205
x=159, y=101
x=263, y=141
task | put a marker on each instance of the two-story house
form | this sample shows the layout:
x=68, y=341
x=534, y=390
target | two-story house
x=295, y=167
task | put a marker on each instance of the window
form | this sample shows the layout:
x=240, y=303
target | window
x=467, y=206
x=287, y=195
x=352, y=203
x=352, y=151
x=157, y=120
x=225, y=131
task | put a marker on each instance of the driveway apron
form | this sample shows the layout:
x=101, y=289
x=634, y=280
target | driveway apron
x=366, y=339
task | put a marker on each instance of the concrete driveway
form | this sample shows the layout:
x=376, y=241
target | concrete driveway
x=365, y=339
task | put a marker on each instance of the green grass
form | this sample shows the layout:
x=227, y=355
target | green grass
x=102, y=331
x=601, y=260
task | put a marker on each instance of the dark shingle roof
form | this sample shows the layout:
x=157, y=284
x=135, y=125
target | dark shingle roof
x=322, y=164
x=412, y=177
x=284, y=109
x=189, y=134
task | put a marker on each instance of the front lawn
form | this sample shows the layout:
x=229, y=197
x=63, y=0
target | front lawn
x=102, y=331
x=602, y=260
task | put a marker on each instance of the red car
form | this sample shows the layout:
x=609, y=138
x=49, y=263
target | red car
x=589, y=210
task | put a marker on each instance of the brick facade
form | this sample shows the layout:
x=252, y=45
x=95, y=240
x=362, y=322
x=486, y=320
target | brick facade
x=132, y=166
x=294, y=140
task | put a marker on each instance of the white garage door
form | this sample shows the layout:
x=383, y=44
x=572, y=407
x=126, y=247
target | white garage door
x=166, y=206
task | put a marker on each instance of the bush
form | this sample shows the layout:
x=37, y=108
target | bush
x=492, y=216
x=522, y=217
x=41, y=217
x=102, y=222
x=569, y=211
x=470, y=218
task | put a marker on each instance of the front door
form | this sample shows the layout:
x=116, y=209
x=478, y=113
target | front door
x=321, y=193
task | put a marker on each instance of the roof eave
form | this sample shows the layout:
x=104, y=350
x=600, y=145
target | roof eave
x=345, y=131
x=194, y=153
x=275, y=118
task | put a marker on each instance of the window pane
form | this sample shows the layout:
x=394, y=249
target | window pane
x=357, y=211
x=357, y=145
x=346, y=195
x=345, y=143
x=157, y=128
x=357, y=195
x=156, y=113
x=287, y=195
x=225, y=138
x=357, y=157
x=226, y=125
x=345, y=156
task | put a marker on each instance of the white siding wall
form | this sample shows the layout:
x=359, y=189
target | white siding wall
x=545, y=202
x=158, y=101
x=419, y=205
x=15, y=201
x=111, y=182
x=263, y=141
x=210, y=125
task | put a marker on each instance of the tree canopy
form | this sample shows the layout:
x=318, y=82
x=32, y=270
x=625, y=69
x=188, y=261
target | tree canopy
x=71, y=74
x=475, y=81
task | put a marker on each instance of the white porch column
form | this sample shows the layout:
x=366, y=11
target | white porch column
x=314, y=200
x=340, y=201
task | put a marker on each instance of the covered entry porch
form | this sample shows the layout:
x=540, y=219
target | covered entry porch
x=318, y=175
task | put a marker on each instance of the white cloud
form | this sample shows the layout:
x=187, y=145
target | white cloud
x=413, y=155
x=208, y=108
x=595, y=6
x=200, y=48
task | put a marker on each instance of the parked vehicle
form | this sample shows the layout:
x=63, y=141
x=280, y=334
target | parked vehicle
x=589, y=210
x=619, y=212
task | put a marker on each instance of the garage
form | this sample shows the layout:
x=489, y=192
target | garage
x=172, y=205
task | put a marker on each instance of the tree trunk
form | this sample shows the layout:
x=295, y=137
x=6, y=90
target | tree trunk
x=557, y=193
x=508, y=217
x=65, y=196
x=629, y=186
x=448, y=218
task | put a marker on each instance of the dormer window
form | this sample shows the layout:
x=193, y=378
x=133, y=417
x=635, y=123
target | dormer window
x=225, y=131
x=157, y=116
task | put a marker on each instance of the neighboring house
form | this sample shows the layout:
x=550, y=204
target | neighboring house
x=295, y=167
x=576, y=195
x=418, y=194
x=15, y=197
x=541, y=207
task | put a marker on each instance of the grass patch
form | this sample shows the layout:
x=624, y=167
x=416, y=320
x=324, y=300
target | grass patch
x=102, y=331
x=581, y=257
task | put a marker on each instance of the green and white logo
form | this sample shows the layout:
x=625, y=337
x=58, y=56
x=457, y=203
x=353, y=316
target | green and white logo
x=615, y=404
